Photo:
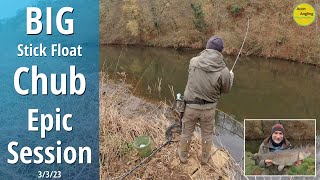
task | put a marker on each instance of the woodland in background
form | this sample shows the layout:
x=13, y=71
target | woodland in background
x=189, y=23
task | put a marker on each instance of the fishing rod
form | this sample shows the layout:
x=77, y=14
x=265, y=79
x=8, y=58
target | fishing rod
x=235, y=62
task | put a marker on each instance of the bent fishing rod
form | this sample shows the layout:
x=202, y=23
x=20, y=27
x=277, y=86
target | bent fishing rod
x=235, y=62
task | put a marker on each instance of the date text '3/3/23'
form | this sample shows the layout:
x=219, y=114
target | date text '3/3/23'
x=49, y=174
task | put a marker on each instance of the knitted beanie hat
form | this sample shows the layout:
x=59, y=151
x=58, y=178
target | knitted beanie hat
x=216, y=43
x=277, y=127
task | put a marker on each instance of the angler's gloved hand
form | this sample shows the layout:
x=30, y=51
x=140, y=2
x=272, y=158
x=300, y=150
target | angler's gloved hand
x=231, y=74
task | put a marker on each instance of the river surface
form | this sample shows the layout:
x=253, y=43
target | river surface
x=263, y=88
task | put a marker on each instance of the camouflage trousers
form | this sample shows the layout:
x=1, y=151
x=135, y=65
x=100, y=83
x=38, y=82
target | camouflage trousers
x=206, y=119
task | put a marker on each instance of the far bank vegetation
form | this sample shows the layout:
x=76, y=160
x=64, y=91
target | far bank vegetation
x=189, y=23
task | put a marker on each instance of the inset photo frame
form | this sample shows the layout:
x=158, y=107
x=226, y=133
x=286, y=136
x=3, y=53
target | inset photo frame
x=280, y=147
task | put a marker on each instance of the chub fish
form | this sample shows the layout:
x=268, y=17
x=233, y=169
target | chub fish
x=283, y=158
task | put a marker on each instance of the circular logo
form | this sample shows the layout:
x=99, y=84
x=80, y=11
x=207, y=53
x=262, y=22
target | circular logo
x=304, y=14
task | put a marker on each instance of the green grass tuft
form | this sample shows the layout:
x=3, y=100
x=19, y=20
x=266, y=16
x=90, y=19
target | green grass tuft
x=250, y=167
x=306, y=168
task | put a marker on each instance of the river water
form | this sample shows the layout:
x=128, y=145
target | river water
x=263, y=88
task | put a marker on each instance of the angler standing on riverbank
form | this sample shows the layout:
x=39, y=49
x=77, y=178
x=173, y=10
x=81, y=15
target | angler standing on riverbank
x=208, y=78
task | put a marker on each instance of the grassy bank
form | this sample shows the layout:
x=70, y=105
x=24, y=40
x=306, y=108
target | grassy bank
x=181, y=24
x=123, y=117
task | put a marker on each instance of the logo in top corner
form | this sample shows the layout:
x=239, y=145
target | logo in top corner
x=304, y=14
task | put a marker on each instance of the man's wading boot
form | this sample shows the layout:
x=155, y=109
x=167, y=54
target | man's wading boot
x=206, y=149
x=183, y=150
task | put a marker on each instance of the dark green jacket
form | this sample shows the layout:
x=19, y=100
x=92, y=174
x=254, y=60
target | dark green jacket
x=208, y=78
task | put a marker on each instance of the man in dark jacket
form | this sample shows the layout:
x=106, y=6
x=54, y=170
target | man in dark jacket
x=275, y=142
x=208, y=78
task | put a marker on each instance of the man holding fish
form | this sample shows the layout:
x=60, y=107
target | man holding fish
x=275, y=153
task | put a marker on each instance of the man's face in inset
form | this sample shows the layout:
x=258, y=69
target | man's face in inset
x=277, y=137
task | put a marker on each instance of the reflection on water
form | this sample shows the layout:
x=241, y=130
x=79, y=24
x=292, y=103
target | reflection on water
x=263, y=88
